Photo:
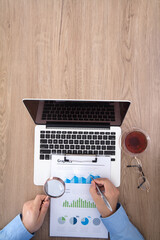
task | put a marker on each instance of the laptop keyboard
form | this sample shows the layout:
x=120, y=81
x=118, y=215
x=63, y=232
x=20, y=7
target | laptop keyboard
x=76, y=142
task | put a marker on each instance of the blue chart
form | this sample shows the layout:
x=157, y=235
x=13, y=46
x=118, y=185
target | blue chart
x=81, y=180
x=84, y=221
x=73, y=220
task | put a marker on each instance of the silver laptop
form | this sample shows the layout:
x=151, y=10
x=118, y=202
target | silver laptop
x=81, y=127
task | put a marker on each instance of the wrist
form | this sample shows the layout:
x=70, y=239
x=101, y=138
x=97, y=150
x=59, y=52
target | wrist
x=109, y=213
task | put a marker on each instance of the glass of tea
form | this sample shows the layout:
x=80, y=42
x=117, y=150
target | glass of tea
x=135, y=141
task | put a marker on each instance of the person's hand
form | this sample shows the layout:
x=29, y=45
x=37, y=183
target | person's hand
x=34, y=212
x=111, y=193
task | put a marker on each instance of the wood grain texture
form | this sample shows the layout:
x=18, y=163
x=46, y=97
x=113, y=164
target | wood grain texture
x=82, y=49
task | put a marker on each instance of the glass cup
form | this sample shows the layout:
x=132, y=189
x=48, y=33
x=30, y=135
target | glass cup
x=135, y=142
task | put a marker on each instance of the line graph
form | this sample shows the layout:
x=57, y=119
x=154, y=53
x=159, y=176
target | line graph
x=81, y=180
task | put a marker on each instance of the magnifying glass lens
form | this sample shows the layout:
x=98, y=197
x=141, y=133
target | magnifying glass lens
x=54, y=187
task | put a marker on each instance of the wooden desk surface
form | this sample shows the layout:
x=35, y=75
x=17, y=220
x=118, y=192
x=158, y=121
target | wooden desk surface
x=82, y=50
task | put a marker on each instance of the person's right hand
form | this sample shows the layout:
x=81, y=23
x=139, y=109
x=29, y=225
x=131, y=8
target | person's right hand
x=34, y=212
x=111, y=193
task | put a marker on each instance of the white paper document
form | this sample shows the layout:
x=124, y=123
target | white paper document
x=75, y=213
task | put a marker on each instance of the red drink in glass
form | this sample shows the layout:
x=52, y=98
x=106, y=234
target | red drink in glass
x=136, y=142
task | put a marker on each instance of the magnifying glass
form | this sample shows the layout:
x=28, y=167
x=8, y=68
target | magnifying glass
x=54, y=187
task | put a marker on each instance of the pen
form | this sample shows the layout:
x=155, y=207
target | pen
x=102, y=196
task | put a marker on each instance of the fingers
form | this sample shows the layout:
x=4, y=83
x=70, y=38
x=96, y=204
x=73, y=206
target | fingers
x=93, y=191
x=38, y=201
x=43, y=210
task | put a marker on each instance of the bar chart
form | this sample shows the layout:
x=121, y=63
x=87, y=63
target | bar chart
x=79, y=203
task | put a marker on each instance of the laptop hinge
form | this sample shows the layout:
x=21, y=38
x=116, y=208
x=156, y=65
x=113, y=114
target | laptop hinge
x=77, y=125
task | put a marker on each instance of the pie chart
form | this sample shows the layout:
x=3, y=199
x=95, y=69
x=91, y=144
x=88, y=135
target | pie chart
x=96, y=221
x=84, y=221
x=73, y=220
x=61, y=220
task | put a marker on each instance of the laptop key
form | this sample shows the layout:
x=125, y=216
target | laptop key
x=43, y=141
x=99, y=137
x=73, y=136
x=47, y=135
x=47, y=157
x=42, y=157
x=90, y=152
x=110, y=147
x=42, y=136
x=113, y=142
x=101, y=152
x=109, y=152
x=51, y=146
x=43, y=146
x=45, y=151
x=54, y=151
x=112, y=137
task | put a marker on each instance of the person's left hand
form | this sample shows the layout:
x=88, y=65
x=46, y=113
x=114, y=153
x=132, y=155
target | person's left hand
x=34, y=212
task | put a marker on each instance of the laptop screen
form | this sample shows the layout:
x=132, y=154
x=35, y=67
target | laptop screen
x=90, y=112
